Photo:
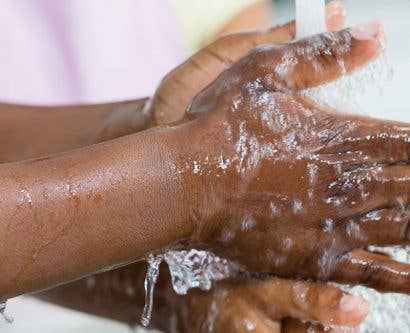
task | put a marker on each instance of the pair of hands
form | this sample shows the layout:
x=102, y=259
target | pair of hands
x=308, y=186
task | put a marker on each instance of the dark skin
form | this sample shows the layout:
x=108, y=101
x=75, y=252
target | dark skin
x=182, y=125
x=228, y=307
x=107, y=296
x=348, y=188
x=239, y=293
x=224, y=208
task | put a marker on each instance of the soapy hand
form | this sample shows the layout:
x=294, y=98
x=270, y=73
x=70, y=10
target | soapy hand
x=285, y=186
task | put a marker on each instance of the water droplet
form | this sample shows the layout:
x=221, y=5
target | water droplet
x=248, y=223
x=287, y=243
x=297, y=206
x=90, y=282
x=329, y=225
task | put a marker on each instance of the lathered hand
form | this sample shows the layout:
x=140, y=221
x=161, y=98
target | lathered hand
x=285, y=186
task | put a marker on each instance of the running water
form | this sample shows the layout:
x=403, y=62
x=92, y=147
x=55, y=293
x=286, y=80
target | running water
x=310, y=17
x=6, y=317
x=389, y=311
x=346, y=93
x=197, y=269
x=149, y=286
x=188, y=269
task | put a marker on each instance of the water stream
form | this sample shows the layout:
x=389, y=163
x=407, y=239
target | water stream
x=310, y=17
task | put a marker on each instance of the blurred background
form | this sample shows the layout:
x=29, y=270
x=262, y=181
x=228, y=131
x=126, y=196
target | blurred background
x=90, y=51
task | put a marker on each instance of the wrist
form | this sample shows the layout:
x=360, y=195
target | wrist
x=195, y=170
x=183, y=190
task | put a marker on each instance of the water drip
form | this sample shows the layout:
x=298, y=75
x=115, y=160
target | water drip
x=7, y=318
x=149, y=286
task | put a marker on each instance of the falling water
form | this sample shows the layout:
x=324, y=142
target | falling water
x=389, y=311
x=6, y=317
x=188, y=269
x=310, y=17
x=149, y=286
x=197, y=269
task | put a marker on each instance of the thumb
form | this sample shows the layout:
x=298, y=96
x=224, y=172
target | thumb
x=318, y=59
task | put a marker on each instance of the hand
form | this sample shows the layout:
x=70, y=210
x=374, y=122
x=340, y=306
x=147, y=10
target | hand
x=231, y=306
x=273, y=305
x=204, y=67
x=285, y=186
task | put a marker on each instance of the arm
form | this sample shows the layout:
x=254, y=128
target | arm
x=23, y=125
x=55, y=129
x=104, y=205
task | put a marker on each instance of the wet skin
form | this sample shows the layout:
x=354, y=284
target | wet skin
x=231, y=306
x=185, y=126
x=118, y=294
x=55, y=129
x=292, y=188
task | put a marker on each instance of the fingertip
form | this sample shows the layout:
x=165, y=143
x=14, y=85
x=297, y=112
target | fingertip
x=354, y=308
x=368, y=41
x=370, y=30
x=335, y=15
x=340, y=308
x=351, y=311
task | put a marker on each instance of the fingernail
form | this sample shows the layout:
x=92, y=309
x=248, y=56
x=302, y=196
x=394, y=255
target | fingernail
x=335, y=8
x=350, y=303
x=370, y=30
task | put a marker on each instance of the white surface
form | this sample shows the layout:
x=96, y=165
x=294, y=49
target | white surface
x=32, y=316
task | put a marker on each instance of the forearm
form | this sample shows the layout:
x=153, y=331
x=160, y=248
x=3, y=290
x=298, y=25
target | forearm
x=31, y=131
x=67, y=216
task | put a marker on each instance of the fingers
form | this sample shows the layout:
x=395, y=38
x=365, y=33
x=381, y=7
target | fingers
x=231, y=48
x=373, y=270
x=296, y=326
x=205, y=66
x=317, y=302
x=377, y=140
x=392, y=184
x=239, y=317
x=335, y=16
x=371, y=188
x=315, y=60
x=382, y=227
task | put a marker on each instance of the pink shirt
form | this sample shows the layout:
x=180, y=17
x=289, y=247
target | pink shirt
x=85, y=51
